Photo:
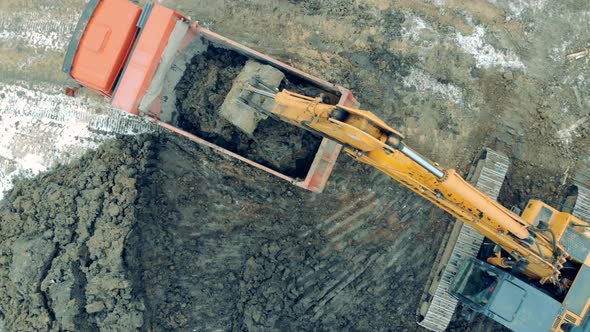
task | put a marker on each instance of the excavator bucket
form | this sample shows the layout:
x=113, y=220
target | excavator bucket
x=147, y=51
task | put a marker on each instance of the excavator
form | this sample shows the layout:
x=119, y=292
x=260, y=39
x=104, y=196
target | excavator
x=542, y=246
x=535, y=278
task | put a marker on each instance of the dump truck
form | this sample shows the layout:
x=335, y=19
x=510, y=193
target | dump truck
x=135, y=57
x=535, y=278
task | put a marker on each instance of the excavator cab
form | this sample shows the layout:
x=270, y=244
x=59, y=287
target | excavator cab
x=475, y=284
x=503, y=297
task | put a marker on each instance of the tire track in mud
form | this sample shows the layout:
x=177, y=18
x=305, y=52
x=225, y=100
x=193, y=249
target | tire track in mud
x=34, y=36
x=42, y=30
x=223, y=246
x=361, y=228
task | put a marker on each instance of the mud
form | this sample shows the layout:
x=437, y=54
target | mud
x=62, y=245
x=193, y=243
x=200, y=94
x=214, y=251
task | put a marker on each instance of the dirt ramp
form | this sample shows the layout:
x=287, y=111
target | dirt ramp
x=62, y=241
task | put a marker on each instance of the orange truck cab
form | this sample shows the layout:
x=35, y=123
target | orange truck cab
x=130, y=54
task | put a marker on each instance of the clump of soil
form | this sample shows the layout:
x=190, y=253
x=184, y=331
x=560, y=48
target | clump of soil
x=62, y=243
x=200, y=94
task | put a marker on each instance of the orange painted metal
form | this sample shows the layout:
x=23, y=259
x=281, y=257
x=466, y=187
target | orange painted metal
x=104, y=48
x=145, y=59
x=328, y=153
x=261, y=57
x=367, y=137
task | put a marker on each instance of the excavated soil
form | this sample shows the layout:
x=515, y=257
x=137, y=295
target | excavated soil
x=159, y=234
x=200, y=94
x=162, y=235
x=261, y=256
x=63, y=238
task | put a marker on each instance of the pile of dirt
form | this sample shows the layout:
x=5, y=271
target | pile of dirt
x=157, y=233
x=222, y=246
x=62, y=245
x=201, y=92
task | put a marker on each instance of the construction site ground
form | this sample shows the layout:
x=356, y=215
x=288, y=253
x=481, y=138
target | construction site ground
x=150, y=231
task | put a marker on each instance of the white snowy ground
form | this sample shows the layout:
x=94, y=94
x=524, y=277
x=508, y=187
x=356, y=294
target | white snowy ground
x=41, y=127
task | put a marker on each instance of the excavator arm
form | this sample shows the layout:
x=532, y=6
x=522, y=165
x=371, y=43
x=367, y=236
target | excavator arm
x=368, y=139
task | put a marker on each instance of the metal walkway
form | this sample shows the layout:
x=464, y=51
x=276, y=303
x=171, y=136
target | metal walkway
x=488, y=178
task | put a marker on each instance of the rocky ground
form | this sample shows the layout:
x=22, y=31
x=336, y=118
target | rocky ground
x=156, y=233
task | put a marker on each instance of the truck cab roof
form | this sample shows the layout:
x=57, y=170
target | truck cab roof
x=101, y=43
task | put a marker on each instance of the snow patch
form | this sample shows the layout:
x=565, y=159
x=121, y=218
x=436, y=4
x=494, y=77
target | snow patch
x=486, y=55
x=37, y=31
x=557, y=54
x=424, y=82
x=567, y=134
x=40, y=129
x=418, y=25
x=517, y=7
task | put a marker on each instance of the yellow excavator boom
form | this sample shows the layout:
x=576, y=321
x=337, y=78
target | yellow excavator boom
x=368, y=139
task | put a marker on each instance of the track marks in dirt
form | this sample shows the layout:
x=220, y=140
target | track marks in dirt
x=33, y=29
x=42, y=128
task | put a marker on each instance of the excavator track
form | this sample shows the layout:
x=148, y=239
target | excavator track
x=582, y=182
x=437, y=305
x=582, y=207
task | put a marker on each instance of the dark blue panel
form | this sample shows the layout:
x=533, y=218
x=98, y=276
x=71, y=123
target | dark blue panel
x=577, y=297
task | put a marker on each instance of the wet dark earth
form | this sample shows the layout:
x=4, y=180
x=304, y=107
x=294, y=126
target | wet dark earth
x=200, y=94
x=155, y=233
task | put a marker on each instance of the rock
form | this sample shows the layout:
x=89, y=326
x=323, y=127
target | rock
x=30, y=258
x=273, y=249
x=114, y=210
x=256, y=315
x=96, y=306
